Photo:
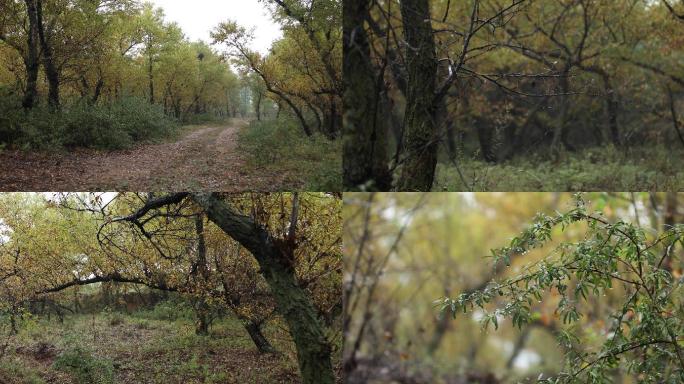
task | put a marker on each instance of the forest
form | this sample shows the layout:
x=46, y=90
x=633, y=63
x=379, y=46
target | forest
x=521, y=95
x=112, y=87
x=170, y=288
x=511, y=287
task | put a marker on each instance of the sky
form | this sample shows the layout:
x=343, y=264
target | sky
x=198, y=17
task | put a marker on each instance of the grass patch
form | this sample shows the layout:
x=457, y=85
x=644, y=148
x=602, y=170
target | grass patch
x=596, y=169
x=280, y=147
x=14, y=371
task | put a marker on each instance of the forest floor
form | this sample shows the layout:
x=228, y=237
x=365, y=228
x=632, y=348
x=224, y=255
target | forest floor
x=204, y=157
x=595, y=169
x=112, y=348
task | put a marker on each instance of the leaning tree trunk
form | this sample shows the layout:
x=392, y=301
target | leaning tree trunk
x=420, y=135
x=254, y=330
x=292, y=301
x=364, y=136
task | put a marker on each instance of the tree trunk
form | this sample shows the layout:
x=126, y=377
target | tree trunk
x=315, y=113
x=365, y=137
x=51, y=72
x=98, y=91
x=420, y=136
x=293, y=302
x=258, y=106
x=485, y=135
x=254, y=331
x=675, y=118
x=150, y=76
x=560, y=134
x=201, y=271
x=31, y=61
x=611, y=109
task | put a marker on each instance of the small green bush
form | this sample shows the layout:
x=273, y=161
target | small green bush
x=85, y=367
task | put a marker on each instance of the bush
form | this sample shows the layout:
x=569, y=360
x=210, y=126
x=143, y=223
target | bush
x=86, y=367
x=115, y=126
x=280, y=145
x=10, y=115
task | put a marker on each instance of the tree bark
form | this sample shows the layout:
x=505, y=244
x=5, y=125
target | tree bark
x=293, y=302
x=612, y=110
x=31, y=59
x=201, y=269
x=254, y=331
x=365, y=138
x=560, y=134
x=150, y=76
x=420, y=136
x=51, y=72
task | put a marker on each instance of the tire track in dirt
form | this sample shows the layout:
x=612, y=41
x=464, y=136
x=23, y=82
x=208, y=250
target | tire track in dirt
x=205, y=159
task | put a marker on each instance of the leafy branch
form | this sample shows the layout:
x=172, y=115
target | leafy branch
x=648, y=322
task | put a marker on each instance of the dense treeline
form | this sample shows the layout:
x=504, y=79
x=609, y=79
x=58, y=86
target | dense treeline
x=499, y=82
x=262, y=259
x=117, y=66
x=65, y=63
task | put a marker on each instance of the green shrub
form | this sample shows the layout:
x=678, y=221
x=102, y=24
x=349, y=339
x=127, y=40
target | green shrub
x=115, y=126
x=10, y=115
x=143, y=121
x=279, y=145
x=85, y=367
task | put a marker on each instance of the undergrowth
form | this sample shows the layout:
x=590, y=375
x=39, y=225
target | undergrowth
x=280, y=146
x=114, y=347
x=114, y=126
x=595, y=169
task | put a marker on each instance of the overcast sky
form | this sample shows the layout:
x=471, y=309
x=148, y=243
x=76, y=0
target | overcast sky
x=198, y=17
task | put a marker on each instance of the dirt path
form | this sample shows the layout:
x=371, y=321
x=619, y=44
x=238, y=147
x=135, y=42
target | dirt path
x=206, y=158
